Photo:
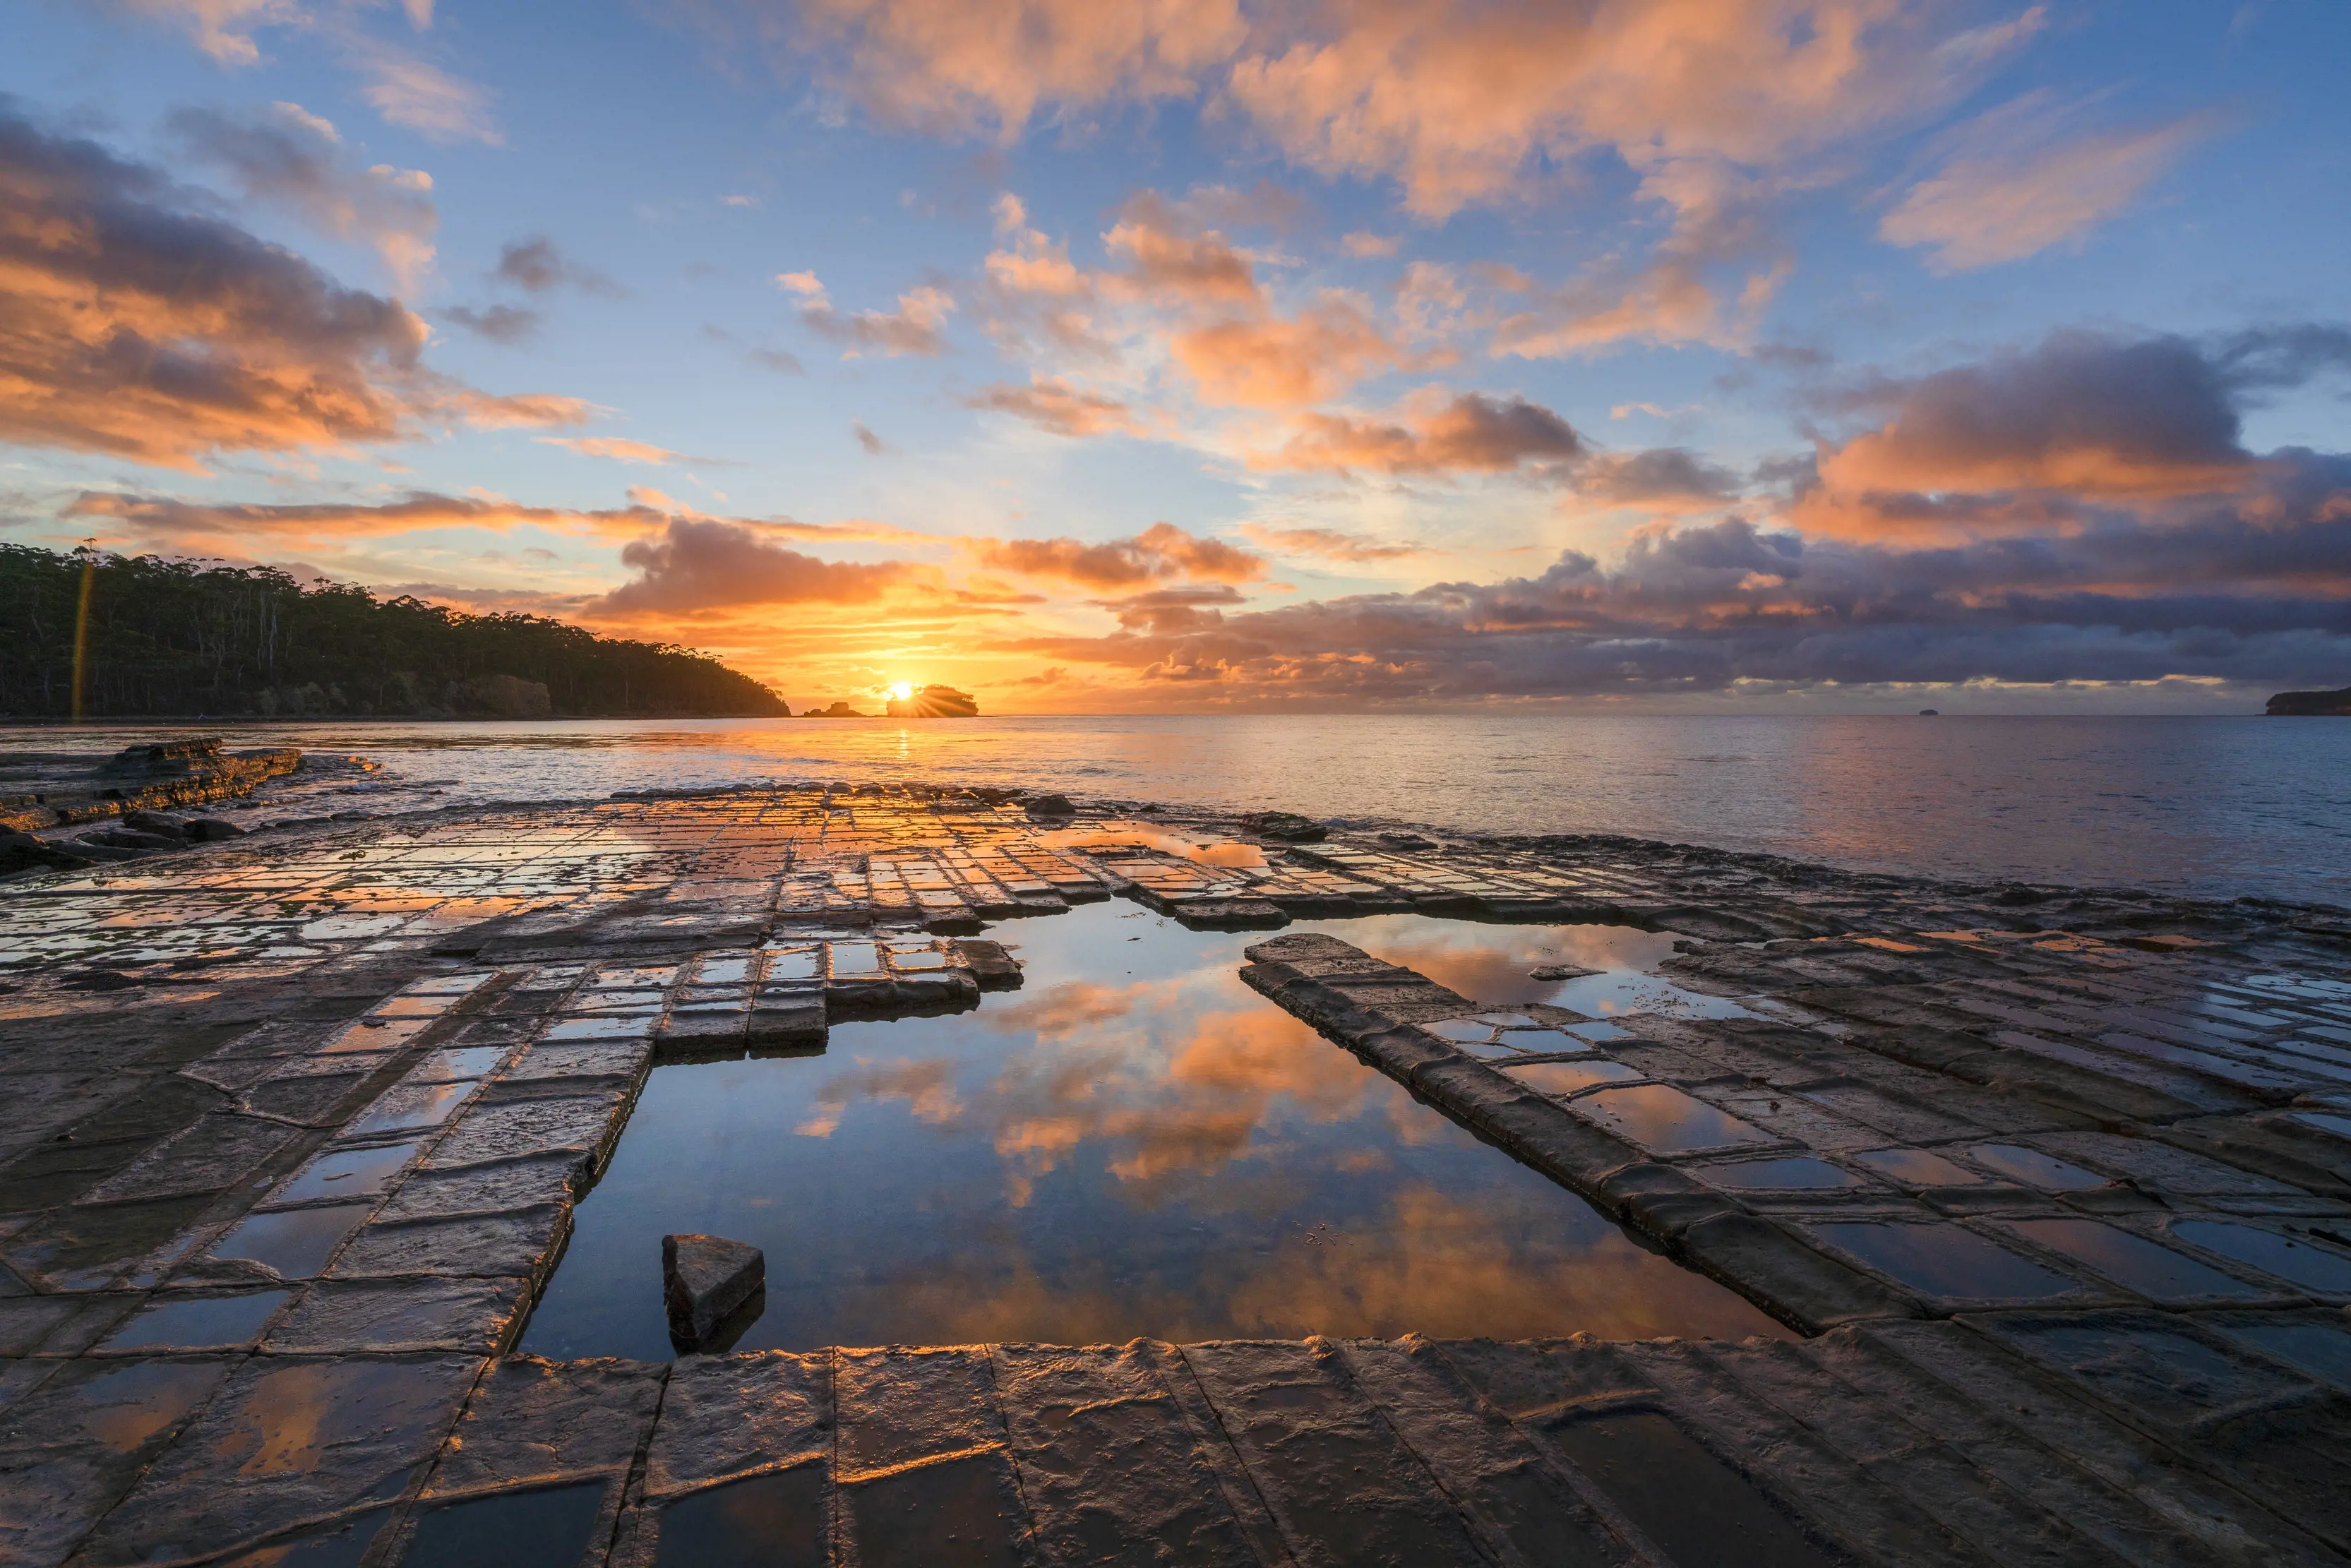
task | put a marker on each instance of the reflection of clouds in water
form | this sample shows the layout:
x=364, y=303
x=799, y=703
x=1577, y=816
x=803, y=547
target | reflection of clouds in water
x=1428, y=1265
x=1490, y=963
x=928, y=1087
x=1171, y=1092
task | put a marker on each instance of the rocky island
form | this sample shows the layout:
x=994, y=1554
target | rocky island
x=934, y=701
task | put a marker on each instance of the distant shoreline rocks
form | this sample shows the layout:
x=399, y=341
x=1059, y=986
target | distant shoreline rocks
x=934, y=701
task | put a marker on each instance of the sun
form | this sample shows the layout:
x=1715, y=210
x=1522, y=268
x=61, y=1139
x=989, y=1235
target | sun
x=902, y=690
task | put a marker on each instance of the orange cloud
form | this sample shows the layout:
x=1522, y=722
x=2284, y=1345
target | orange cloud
x=1471, y=432
x=707, y=562
x=2018, y=185
x=1052, y=403
x=1160, y=552
x=617, y=448
x=984, y=66
x=916, y=327
x=1329, y=543
x=2081, y=414
x=1278, y=362
x=132, y=326
x=1167, y=261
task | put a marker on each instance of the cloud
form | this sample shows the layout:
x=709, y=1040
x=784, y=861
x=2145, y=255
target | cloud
x=135, y=325
x=1468, y=433
x=983, y=68
x=536, y=264
x=1360, y=243
x=916, y=327
x=781, y=362
x=1330, y=544
x=164, y=518
x=508, y=324
x=873, y=445
x=2257, y=590
x=2019, y=182
x=414, y=93
x=618, y=449
x=2081, y=413
x=521, y=411
x=1662, y=478
x=1458, y=100
x=701, y=563
x=287, y=156
x=1286, y=363
x=1052, y=403
x=221, y=28
x=1168, y=260
x=1160, y=552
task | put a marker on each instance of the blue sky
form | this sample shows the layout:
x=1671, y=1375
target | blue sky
x=1797, y=354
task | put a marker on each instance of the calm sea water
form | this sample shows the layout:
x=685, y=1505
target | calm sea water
x=2213, y=805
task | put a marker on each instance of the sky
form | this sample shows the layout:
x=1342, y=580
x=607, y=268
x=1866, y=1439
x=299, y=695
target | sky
x=1724, y=356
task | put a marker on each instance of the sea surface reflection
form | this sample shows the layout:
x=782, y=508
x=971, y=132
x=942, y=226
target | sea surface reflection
x=2217, y=805
x=1134, y=1144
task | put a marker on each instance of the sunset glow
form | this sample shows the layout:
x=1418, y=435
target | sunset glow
x=1212, y=355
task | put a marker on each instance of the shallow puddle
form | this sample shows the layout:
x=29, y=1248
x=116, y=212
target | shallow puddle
x=1498, y=964
x=2311, y=1265
x=1134, y=1144
x=1945, y=1261
x=2151, y=1269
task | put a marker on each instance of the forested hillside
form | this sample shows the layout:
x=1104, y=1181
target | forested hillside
x=176, y=637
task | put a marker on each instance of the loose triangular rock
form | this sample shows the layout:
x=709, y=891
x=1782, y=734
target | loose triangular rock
x=705, y=1278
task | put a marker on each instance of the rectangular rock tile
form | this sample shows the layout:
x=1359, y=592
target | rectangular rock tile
x=1526, y=1509
x=1600, y=1416
x=2278, y=1439
x=409, y=1108
x=70, y=1448
x=550, y=1062
x=512, y=1129
x=343, y=1174
x=216, y=1153
x=2029, y=1460
x=85, y=1248
x=2207, y=1514
x=1888, y=1492
x=484, y=1189
x=519, y=1244
x=531, y=1421
x=281, y=1442
x=724, y=1415
x=477, y=1315
x=920, y=1458
x=194, y=1321
x=1342, y=1488
x=1107, y=1464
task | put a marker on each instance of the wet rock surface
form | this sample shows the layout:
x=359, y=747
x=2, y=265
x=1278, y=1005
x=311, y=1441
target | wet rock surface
x=705, y=1280
x=2059, y=1184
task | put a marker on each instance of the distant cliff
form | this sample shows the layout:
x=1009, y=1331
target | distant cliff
x=175, y=637
x=2309, y=704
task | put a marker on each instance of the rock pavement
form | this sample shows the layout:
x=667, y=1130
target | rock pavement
x=2057, y=1181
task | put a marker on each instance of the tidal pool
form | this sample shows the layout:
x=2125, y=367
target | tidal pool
x=1132, y=1144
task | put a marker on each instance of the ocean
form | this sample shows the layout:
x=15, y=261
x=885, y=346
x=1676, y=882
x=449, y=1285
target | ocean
x=2214, y=806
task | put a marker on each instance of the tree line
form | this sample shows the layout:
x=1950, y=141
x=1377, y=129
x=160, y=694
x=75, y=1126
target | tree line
x=182, y=638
